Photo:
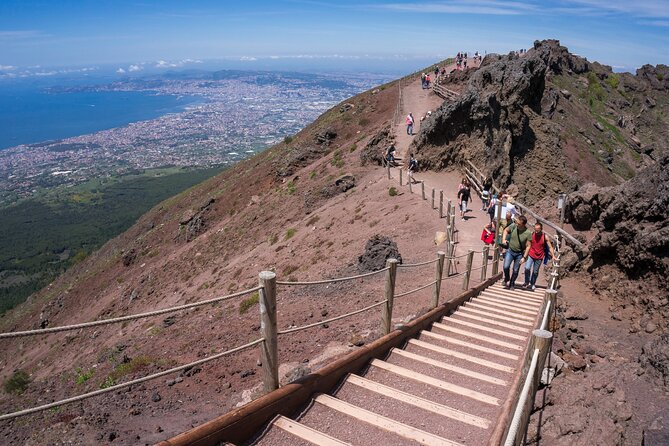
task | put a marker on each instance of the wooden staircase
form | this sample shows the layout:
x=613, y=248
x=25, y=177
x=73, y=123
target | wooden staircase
x=447, y=386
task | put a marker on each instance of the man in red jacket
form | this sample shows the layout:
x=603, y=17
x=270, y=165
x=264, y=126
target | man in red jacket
x=539, y=244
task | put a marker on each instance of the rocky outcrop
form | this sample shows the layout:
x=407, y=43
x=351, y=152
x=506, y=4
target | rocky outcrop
x=584, y=206
x=377, y=250
x=373, y=152
x=498, y=122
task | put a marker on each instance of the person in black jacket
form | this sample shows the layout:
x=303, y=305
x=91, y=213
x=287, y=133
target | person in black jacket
x=463, y=195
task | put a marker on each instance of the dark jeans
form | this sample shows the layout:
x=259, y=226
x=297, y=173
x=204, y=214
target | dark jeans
x=515, y=257
x=533, y=266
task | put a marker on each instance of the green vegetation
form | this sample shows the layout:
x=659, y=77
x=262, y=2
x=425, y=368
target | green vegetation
x=273, y=239
x=291, y=188
x=247, y=303
x=17, y=383
x=290, y=233
x=595, y=94
x=392, y=191
x=81, y=377
x=659, y=76
x=353, y=148
x=613, y=80
x=45, y=235
x=337, y=160
x=287, y=139
x=312, y=175
x=125, y=368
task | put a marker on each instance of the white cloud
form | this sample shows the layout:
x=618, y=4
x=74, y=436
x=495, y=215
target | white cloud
x=248, y=59
x=120, y=71
x=132, y=68
x=489, y=7
x=7, y=67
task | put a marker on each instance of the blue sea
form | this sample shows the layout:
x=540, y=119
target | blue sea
x=31, y=114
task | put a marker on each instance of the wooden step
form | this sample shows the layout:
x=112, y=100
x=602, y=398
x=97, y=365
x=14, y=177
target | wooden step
x=489, y=320
x=480, y=337
x=306, y=433
x=530, y=295
x=460, y=342
x=453, y=388
x=508, y=303
x=480, y=307
x=493, y=314
x=514, y=299
x=506, y=334
x=498, y=303
x=382, y=422
x=417, y=401
x=443, y=365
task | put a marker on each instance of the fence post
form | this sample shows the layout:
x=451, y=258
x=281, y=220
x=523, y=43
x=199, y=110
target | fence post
x=433, y=198
x=449, y=212
x=410, y=187
x=450, y=251
x=550, y=298
x=438, y=272
x=269, y=350
x=484, y=263
x=468, y=272
x=495, y=259
x=400, y=176
x=388, y=170
x=422, y=190
x=387, y=314
x=441, y=204
x=554, y=280
x=453, y=227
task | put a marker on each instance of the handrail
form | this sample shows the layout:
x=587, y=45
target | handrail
x=339, y=279
x=413, y=265
x=16, y=334
x=113, y=388
x=336, y=318
x=518, y=413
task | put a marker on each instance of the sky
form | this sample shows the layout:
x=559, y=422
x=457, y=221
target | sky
x=132, y=34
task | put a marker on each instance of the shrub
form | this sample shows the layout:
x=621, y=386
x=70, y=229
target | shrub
x=392, y=192
x=337, y=160
x=613, y=80
x=287, y=139
x=363, y=122
x=273, y=239
x=290, y=233
x=353, y=148
x=247, y=303
x=312, y=175
x=17, y=383
x=81, y=376
x=291, y=188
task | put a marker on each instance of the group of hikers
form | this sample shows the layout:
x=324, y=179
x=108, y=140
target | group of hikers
x=517, y=242
x=425, y=79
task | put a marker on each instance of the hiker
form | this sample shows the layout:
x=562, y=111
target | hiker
x=503, y=223
x=463, y=195
x=492, y=207
x=390, y=156
x=488, y=233
x=540, y=248
x=410, y=124
x=516, y=238
x=485, y=193
x=412, y=168
x=427, y=81
x=422, y=80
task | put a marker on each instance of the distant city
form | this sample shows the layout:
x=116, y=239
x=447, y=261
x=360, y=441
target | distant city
x=239, y=114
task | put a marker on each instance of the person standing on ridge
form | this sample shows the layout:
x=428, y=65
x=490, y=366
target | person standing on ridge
x=410, y=124
x=518, y=236
x=485, y=193
x=540, y=243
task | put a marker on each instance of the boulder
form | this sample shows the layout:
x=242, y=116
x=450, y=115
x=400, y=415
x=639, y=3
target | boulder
x=583, y=207
x=377, y=250
x=654, y=358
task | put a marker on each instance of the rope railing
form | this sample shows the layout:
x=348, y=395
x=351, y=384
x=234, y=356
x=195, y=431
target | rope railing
x=113, y=388
x=415, y=290
x=326, y=281
x=336, y=318
x=453, y=276
x=115, y=320
x=413, y=265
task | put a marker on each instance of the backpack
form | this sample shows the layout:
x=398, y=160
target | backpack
x=413, y=164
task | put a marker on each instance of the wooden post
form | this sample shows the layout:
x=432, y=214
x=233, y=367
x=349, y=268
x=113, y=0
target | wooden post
x=269, y=349
x=410, y=187
x=400, y=176
x=495, y=260
x=541, y=340
x=438, y=272
x=388, y=170
x=468, y=273
x=422, y=190
x=453, y=227
x=449, y=212
x=554, y=280
x=433, y=198
x=387, y=314
x=484, y=263
x=441, y=204
x=550, y=296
